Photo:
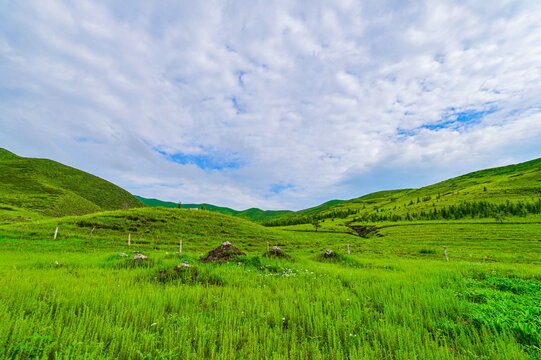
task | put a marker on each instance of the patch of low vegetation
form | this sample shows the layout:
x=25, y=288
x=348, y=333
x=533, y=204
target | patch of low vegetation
x=506, y=305
x=130, y=260
x=331, y=256
x=187, y=274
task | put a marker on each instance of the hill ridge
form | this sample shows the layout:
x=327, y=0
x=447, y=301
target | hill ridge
x=34, y=188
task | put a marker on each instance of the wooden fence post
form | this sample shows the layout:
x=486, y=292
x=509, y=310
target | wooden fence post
x=445, y=252
x=129, y=239
x=267, y=246
x=348, y=248
x=180, y=246
x=91, y=231
x=55, y=233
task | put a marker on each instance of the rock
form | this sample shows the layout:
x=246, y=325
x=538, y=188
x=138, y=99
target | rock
x=276, y=252
x=140, y=257
x=182, y=265
x=136, y=251
x=330, y=254
x=123, y=255
x=227, y=243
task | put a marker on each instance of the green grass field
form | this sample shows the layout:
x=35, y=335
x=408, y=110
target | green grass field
x=394, y=297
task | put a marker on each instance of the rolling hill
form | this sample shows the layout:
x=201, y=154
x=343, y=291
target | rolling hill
x=199, y=230
x=497, y=192
x=252, y=214
x=37, y=188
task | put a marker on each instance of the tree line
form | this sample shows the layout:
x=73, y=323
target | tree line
x=462, y=210
x=308, y=219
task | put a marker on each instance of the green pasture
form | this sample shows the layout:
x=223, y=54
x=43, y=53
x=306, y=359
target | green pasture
x=394, y=297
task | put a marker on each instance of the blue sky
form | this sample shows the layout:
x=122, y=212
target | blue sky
x=278, y=105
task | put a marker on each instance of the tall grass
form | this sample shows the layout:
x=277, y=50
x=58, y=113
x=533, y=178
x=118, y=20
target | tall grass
x=75, y=298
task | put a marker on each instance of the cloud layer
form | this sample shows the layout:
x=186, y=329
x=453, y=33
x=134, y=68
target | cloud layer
x=280, y=105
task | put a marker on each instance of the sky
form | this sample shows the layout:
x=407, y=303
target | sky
x=271, y=104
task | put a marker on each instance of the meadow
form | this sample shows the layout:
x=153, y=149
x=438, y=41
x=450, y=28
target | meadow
x=394, y=297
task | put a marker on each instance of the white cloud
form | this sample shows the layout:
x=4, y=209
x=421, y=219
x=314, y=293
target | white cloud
x=312, y=95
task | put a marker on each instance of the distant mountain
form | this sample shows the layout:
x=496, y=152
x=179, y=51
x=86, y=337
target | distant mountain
x=483, y=193
x=36, y=188
x=253, y=214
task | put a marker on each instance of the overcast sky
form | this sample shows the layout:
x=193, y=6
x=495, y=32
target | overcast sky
x=273, y=104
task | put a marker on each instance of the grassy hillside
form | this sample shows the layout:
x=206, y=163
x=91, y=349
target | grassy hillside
x=507, y=191
x=200, y=231
x=38, y=188
x=253, y=214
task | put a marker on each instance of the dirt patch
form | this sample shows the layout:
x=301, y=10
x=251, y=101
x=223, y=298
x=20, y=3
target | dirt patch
x=223, y=253
x=365, y=231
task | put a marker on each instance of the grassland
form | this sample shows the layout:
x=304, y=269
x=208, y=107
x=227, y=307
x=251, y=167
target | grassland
x=394, y=297
x=33, y=189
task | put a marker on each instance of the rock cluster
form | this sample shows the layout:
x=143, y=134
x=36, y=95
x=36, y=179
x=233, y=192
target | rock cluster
x=183, y=265
x=139, y=257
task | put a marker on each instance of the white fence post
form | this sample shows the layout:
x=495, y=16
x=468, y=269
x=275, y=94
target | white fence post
x=91, y=231
x=445, y=252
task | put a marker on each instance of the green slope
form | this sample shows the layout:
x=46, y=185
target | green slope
x=201, y=230
x=496, y=192
x=36, y=188
x=253, y=214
